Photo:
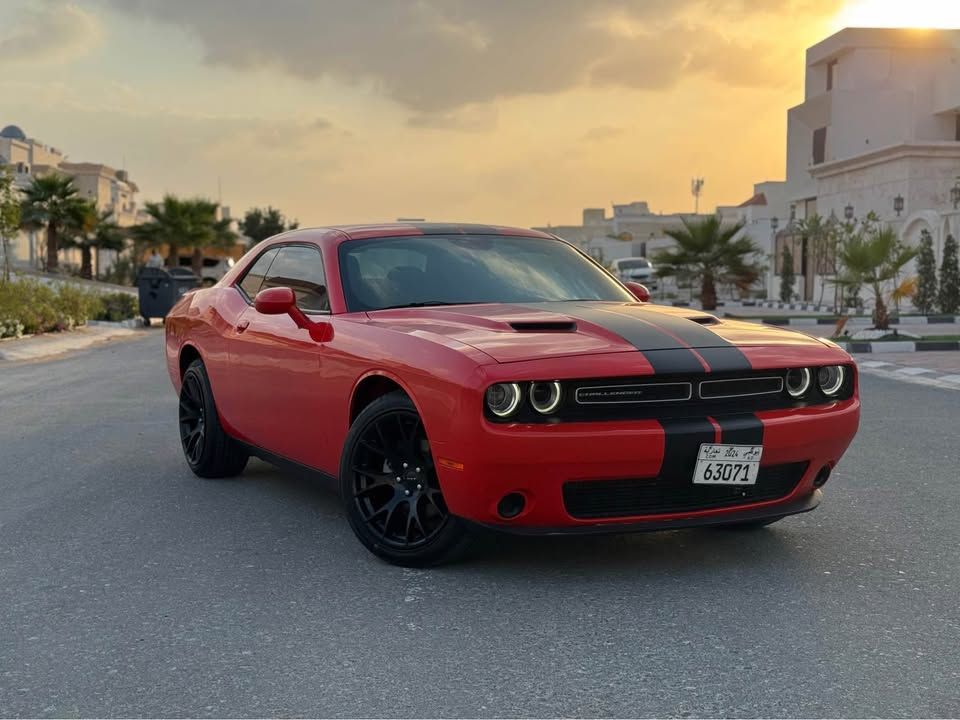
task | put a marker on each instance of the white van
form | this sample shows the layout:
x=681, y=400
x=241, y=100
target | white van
x=635, y=269
x=213, y=268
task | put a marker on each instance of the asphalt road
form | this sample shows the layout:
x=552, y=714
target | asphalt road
x=129, y=587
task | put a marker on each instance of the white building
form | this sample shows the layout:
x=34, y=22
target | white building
x=878, y=131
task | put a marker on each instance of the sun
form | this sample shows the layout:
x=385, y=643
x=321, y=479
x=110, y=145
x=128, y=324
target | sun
x=900, y=13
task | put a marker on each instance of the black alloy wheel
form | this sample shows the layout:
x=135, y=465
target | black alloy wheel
x=391, y=490
x=209, y=451
x=395, y=487
x=192, y=419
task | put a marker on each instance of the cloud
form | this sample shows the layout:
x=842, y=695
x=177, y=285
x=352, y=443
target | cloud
x=602, y=133
x=471, y=118
x=436, y=57
x=50, y=33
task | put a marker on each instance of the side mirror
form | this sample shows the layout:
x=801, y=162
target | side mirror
x=639, y=291
x=275, y=301
x=283, y=301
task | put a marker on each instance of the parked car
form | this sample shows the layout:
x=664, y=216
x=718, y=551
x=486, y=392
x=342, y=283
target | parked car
x=444, y=377
x=213, y=268
x=635, y=269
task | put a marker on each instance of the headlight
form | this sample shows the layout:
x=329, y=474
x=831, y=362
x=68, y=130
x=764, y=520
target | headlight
x=798, y=381
x=545, y=396
x=503, y=399
x=830, y=379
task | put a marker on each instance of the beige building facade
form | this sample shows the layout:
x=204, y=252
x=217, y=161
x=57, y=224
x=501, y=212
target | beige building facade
x=111, y=190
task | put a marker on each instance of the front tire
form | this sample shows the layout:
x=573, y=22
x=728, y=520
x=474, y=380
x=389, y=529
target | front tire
x=390, y=489
x=209, y=451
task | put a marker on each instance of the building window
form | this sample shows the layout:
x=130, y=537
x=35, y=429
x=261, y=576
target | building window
x=819, y=145
x=831, y=70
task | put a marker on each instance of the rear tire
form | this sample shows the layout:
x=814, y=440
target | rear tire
x=209, y=451
x=390, y=489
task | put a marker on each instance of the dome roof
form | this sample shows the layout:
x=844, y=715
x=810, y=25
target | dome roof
x=12, y=131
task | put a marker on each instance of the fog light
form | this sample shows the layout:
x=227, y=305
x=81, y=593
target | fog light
x=503, y=399
x=798, y=382
x=511, y=505
x=830, y=379
x=821, y=479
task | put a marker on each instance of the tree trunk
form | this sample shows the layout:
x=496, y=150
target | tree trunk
x=881, y=320
x=196, y=262
x=173, y=255
x=708, y=292
x=6, y=258
x=53, y=246
x=86, y=263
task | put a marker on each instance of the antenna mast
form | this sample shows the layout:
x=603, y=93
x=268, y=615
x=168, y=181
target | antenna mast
x=696, y=189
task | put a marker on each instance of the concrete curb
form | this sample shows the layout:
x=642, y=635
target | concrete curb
x=131, y=323
x=900, y=346
x=905, y=320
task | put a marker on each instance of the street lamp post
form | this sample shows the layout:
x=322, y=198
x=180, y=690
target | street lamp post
x=898, y=204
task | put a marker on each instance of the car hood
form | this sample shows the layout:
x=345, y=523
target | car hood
x=530, y=331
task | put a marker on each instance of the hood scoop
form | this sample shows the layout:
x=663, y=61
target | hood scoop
x=539, y=326
x=704, y=320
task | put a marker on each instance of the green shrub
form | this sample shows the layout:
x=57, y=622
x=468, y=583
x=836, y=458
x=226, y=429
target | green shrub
x=28, y=307
x=118, y=306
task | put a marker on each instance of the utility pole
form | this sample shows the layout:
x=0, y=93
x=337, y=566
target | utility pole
x=696, y=189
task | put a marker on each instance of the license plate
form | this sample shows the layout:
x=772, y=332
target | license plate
x=727, y=464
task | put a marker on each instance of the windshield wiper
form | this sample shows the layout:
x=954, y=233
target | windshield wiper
x=425, y=303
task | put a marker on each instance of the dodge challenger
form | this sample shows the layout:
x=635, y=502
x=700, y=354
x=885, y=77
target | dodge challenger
x=453, y=376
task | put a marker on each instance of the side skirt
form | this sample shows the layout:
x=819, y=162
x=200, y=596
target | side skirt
x=294, y=468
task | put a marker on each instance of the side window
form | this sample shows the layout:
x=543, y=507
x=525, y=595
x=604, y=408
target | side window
x=254, y=277
x=300, y=268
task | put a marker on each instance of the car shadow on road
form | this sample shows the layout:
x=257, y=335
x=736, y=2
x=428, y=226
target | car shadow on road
x=669, y=551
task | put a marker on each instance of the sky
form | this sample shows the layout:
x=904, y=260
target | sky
x=518, y=112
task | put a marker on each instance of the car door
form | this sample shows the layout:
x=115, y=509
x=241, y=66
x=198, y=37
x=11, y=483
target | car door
x=278, y=370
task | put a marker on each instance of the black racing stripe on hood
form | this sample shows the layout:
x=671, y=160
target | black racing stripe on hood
x=744, y=429
x=665, y=354
x=682, y=438
x=721, y=355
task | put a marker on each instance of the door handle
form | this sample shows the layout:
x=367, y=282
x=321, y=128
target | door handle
x=242, y=325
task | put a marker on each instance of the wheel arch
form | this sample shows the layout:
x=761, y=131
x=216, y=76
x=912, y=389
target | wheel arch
x=188, y=353
x=373, y=385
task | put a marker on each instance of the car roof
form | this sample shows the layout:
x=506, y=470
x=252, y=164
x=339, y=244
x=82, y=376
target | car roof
x=375, y=230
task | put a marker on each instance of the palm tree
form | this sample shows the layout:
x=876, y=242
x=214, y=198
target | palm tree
x=90, y=230
x=51, y=202
x=169, y=225
x=710, y=252
x=874, y=257
x=821, y=237
x=184, y=223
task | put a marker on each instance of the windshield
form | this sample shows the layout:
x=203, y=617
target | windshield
x=440, y=270
x=635, y=264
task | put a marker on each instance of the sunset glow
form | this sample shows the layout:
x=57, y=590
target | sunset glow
x=896, y=13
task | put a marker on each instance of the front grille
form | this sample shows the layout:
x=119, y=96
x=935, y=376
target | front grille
x=588, y=499
x=740, y=387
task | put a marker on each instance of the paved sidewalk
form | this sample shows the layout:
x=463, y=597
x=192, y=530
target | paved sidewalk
x=939, y=369
x=38, y=347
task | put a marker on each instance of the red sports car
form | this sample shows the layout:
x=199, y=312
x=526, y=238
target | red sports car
x=448, y=376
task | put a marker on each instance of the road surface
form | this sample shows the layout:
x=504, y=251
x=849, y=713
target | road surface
x=129, y=587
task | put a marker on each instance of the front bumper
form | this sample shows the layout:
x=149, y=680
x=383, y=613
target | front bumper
x=478, y=470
